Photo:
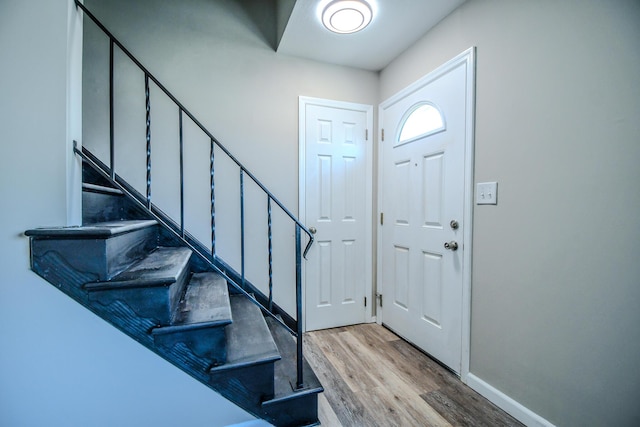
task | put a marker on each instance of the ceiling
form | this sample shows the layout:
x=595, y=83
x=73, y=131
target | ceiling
x=396, y=25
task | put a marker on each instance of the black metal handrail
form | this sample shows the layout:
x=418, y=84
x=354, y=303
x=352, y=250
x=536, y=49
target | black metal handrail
x=178, y=229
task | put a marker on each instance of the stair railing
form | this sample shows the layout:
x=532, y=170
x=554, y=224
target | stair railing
x=177, y=229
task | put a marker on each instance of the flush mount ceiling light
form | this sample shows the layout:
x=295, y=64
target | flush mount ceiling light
x=346, y=16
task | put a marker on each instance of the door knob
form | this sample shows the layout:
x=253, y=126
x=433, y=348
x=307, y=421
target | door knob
x=452, y=245
x=312, y=230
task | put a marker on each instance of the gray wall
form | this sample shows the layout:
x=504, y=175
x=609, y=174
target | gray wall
x=556, y=278
x=59, y=364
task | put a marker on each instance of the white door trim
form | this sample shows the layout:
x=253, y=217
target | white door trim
x=468, y=59
x=303, y=102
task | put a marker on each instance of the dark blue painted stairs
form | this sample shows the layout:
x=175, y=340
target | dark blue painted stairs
x=126, y=270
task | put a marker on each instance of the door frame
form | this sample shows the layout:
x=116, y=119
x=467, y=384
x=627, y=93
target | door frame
x=468, y=59
x=303, y=102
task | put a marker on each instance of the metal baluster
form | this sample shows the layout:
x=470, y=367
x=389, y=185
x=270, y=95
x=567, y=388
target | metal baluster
x=112, y=148
x=169, y=223
x=213, y=205
x=270, y=234
x=181, y=176
x=148, y=109
x=110, y=172
x=242, y=226
x=300, y=379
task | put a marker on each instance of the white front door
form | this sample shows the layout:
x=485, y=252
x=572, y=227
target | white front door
x=336, y=159
x=424, y=186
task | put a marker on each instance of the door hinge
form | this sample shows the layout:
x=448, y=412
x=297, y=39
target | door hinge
x=379, y=299
x=365, y=301
x=381, y=218
x=382, y=134
x=366, y=134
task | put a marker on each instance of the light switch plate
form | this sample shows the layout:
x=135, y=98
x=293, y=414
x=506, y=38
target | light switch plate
x=487, y=193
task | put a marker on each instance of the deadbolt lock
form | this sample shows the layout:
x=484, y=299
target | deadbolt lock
x=454, y=224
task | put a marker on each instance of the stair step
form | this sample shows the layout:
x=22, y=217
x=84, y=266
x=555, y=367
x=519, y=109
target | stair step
x=102, y=202
x=152, y=287
x=159, y=267
x=247, y=376
x=291, y=406
x=249, y=340
x=91, y=231
x=200, y=319
x=100, y=250
x=205, y=303
x=101, y=189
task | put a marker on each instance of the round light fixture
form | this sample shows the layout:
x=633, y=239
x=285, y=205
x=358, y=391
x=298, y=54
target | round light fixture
x=346, y=16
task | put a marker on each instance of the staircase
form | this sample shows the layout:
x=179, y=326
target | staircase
x=139, y=269
x=136, y=275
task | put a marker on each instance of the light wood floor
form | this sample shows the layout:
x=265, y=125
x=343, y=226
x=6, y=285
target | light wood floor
x=373, y=378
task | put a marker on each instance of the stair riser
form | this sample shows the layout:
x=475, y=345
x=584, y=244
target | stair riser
x=103, y=258
x=301, y=411
x=157, y=303
x=247, y=385
x=208, y=343
x=100, y=207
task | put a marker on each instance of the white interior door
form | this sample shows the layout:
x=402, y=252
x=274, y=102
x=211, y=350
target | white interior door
x=338, y=206
x=423, y=191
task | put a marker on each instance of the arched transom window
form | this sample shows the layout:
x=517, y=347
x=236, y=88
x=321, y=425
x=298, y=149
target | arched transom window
x=419, y=121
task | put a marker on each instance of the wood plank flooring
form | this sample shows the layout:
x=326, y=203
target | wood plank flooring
x=373, y=378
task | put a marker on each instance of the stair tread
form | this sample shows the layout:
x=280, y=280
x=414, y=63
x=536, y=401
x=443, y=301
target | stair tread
x=205, y=303
x=101, y=189
x=249, y=340
x=286, y=370
x=160, y=267
x=91, y=231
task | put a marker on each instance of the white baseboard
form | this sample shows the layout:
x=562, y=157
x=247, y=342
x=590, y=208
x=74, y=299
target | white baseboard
x=513, y=408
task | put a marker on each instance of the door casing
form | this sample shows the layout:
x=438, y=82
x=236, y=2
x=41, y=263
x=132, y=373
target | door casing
x=468, y=59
